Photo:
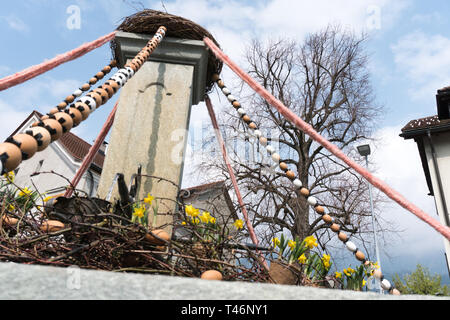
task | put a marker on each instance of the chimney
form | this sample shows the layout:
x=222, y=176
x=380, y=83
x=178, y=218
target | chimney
x=443, y=103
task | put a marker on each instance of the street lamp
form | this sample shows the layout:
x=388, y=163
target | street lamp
x=364, y=150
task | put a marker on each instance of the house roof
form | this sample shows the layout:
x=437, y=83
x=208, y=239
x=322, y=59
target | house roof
x=77, y=147
x=420, y=127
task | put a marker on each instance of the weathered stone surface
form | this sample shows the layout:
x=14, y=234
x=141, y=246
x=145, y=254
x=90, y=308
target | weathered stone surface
x=42, y=282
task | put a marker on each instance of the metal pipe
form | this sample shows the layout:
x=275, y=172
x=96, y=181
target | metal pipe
x=377, y=252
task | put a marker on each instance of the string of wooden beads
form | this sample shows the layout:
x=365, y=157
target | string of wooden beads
x=312, y=201
x=52, y=126
x=85, y=87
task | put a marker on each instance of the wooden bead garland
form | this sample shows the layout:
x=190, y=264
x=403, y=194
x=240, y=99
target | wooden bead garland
x=60, y=120
x=296, y=182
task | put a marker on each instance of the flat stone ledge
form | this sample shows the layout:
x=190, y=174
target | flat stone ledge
x=25, y=282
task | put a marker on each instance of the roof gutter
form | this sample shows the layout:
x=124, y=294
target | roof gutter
x=438, y=177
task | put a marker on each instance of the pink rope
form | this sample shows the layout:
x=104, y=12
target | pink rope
x=92, y=151
x=251, y=231
x=34, y=71
x=309, y=130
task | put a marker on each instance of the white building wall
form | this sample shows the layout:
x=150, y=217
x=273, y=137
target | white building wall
x=441, y=144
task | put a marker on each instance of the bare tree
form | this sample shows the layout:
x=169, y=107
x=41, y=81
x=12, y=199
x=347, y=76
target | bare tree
x=325, y=81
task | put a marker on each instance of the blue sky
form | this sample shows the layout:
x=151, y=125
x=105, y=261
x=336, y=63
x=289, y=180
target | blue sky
x=410, y=59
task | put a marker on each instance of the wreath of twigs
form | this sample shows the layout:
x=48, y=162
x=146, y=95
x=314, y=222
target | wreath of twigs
x=148, y=21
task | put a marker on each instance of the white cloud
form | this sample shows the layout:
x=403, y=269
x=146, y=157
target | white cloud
x=424, y=59
x=12, y=119
x=16, y=23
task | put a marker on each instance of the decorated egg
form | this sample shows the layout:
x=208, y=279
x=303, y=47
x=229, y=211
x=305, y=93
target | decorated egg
x=359, y=255
x=76, y=116
x=335, y=227
x=327, y=218
x=65, y=120
x=103, y=93
x=97, y=97
x=10, y=155
x=304, y=192
x=108, y=89
x=41, y=135
x=290, y=174
x=84, y=109
x=320, y=209
x=27, y=144
x=283, y=166
x=342, y=236
x=53, y=127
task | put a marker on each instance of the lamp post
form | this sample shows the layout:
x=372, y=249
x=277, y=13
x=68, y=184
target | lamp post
x=364, y=150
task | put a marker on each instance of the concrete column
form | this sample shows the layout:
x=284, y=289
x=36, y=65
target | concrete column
x=151, y=123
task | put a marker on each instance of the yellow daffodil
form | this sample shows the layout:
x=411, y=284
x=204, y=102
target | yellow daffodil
x=195, y=220
x=10, y=176
x=364, y=282
x=191, y=211
x=139, y=212
x=212, y=220
x=183, y=223
x=25, y=192
x=311, y=242
x=326, y=260
x=149, y=199
x=349, y=271
x=46, y=199
x=302, y=259
x=338, y=275
x=239, y=224
x=292, y=244
x=11, y=207
x=276, y=242
x=205, y=217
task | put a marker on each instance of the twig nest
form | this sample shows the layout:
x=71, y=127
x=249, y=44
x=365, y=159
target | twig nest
x=10, y=155
x=211, y=275
x=41, y=135
x=152, y=237
x=27, y=144
x=52, y=226
x=10, y=221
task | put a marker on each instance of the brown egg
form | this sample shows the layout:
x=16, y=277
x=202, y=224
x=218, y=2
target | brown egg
x=103, y=93
x=132, y=65
x=211, y=275
x=99, y=75
x=236, y=105
x=76, y=116
x=10, y=155
x=108, y=89
x=53, y=127
x=113, y=63
x=246, y=118
x=51, y=226
x=290, y=174
x=377, y=274
x=54, y=110
x=93, y=81
x=61, y=105
x=41, y=135
x=395, y=292
x=327, y=218
x=342, y=236
x=84, y=109
x=304, y=192
x=65, y=120
x=320, y=209
x=360, y=256
x=97, y=97
x=252, y=125
x=221, y=84
x=10, y=221
x=263, y=141
x=335, y=227
x=85, y=87
x=27, y=144
x=159, y=233
x=215, y=77
x=283, y=166
x=106, y=69
x=69, y=99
